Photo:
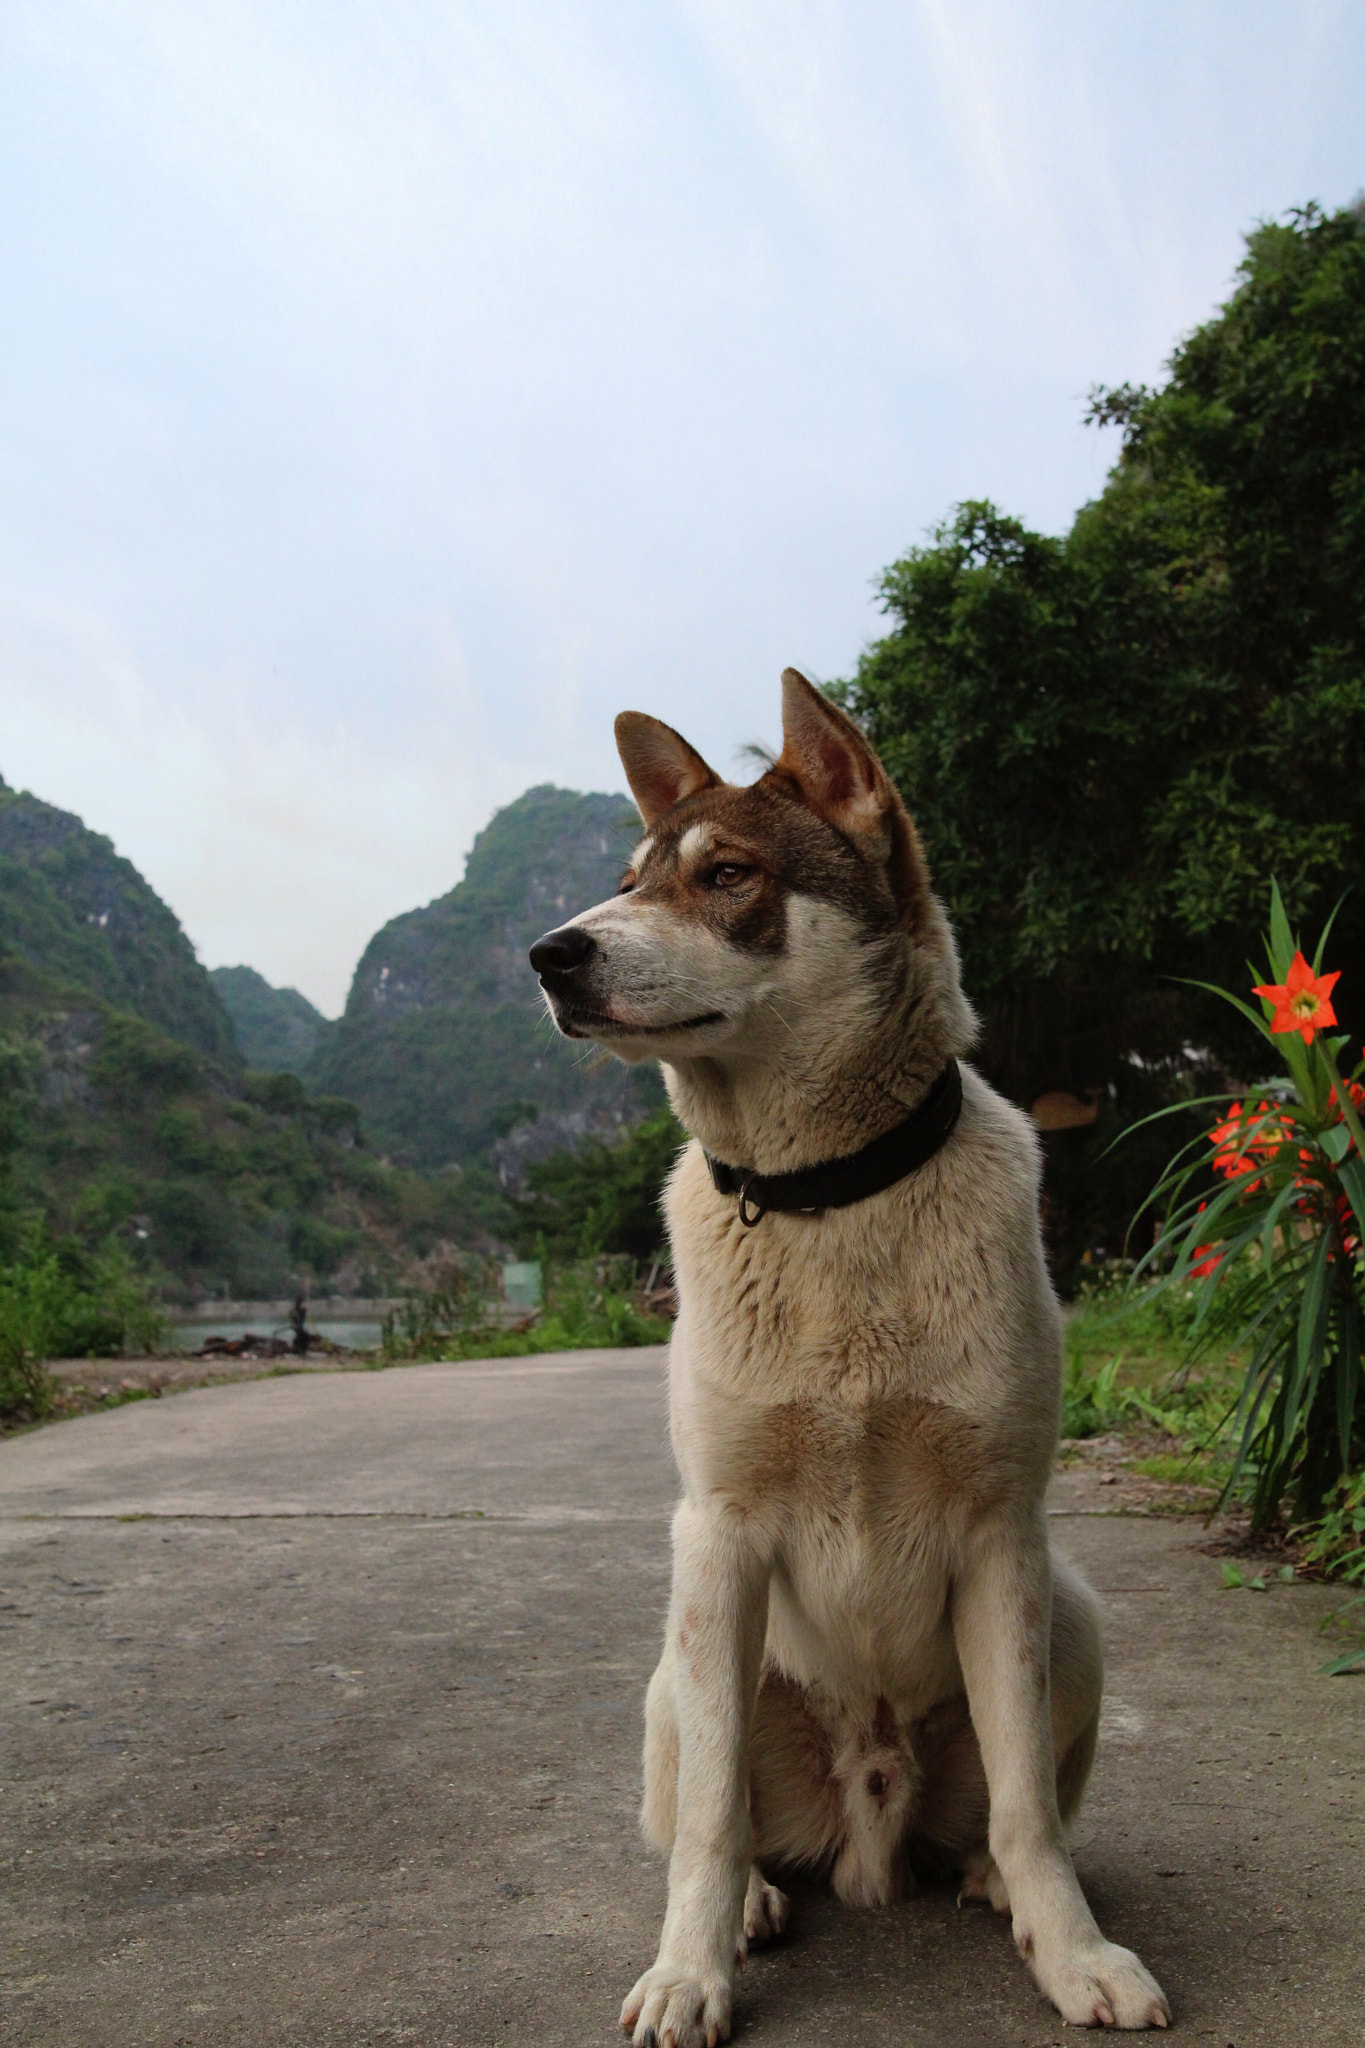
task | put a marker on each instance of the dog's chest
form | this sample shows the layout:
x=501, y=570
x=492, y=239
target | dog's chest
x=880, y=1467
x=867, y=1510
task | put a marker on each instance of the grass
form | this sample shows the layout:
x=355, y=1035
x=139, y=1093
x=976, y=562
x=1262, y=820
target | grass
x=1127, y=1374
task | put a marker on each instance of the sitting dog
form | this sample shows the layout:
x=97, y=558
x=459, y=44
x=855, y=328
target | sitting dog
x=871, y=1657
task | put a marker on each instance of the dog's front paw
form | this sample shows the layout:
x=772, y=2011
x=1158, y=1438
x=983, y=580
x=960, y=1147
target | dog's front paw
x=1101, y=1986
x=671, y=2009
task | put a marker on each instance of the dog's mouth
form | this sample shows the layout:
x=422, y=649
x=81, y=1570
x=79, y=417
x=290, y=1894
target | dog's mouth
x=576, y=1022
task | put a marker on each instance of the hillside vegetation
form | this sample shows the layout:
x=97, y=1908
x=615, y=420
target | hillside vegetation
x=77, y=911
x=135, y=1137
x=132, y=1132
x=444, y=1043
x=277, y=1029
x=212, y=1179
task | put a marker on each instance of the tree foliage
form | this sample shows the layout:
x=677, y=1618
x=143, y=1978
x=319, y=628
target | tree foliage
x=1112, y=738
x=603, y=1197
x=277, y=1028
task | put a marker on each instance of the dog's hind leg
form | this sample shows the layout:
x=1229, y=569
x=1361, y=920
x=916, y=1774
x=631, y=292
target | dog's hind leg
x=765, y=1909
x=794, y=1801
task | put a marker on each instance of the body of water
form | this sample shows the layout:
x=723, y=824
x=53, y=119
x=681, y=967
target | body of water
x=354, y=1333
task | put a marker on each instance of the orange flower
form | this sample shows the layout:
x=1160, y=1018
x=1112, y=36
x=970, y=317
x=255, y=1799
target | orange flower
x=1206, y=1258
x=1236, y=1150
x=1356, y=1091
x=1302, y=1002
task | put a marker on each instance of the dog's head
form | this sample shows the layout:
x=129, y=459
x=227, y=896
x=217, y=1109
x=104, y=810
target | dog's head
x=745, y=913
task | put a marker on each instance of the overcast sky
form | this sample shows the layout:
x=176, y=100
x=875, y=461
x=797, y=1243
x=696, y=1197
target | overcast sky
x=391, y=393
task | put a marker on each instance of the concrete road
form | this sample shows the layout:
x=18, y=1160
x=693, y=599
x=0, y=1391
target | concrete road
x=321, y=1722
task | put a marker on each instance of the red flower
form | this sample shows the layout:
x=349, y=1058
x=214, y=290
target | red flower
x=1207, y=1257
x=1251, y=1133
x=1302, y=1002
x=1356, y=1091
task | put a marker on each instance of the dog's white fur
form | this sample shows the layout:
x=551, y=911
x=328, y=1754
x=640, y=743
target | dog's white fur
x=869, y=1646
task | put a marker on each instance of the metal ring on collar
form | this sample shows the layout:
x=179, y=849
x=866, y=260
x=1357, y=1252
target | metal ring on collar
x=746, y=1201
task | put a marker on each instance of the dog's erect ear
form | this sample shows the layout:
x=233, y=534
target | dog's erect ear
x=842, y=780
x=823, y=751
x=660, y=766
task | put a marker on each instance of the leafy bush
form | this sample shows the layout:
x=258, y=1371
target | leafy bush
x=603, y=1198
x=1337, y=1540
x=1336, y=1545
x=55, y=1303
x=319, y=1245
x=135, y=1061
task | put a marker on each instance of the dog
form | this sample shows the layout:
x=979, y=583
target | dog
x=872, y=1662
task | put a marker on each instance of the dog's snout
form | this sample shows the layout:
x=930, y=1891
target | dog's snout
x=560, y=952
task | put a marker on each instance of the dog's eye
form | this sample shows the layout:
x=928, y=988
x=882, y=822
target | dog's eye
x=727, y=874
x=627, y=883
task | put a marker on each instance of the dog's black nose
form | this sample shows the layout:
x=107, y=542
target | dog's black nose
x=560, y=952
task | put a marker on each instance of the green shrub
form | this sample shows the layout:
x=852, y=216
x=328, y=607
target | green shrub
x=604, y=1197
x=57, y=1303
x=1336, y=1542
x=321, y=1246
x=135, y=1062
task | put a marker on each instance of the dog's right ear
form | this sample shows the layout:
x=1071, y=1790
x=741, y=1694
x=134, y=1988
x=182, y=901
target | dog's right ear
x=660, y=766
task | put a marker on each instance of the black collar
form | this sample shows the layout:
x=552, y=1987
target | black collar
x=834, y=1183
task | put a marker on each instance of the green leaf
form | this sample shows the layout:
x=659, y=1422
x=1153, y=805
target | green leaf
x=1256, y=1585
x=1351, y=1174
x=1231, y=1575
x=1348, y=1378
x=1285, y=1573
x=1354, y=1660
x=1252, y=1017
x=1348, y=1108
x=1335, y=1142
x=1282, y=947
x=1313, y=1309
x=1326, y=932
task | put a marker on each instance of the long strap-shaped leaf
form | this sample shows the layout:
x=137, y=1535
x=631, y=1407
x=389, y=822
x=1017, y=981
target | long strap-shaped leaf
x=1313, y=1314
x=1348, y=1376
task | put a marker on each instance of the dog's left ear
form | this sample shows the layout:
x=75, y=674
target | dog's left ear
x=842, y=780
x=823, y=751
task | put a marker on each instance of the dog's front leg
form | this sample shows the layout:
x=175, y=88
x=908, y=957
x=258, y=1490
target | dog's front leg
x=1001, y=1619
x=718, y=1617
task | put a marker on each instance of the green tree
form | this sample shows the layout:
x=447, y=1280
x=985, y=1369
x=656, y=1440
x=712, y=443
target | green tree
x=1110, y=740
x=604, y=1197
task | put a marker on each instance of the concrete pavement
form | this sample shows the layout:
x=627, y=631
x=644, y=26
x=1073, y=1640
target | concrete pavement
x=321, y=1723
